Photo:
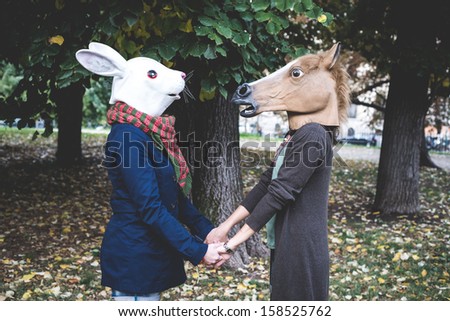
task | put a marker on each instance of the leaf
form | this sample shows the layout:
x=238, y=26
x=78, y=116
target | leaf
x=207, y=21
x=198, y=49
x=27, y=295
x=202, y=30
x=217, y=39
x=59, y=40
x=241, y=39
x=59, y=4
x=396, y=257
x=166, y=51
x=308, y=4
x=424, y=273
x=210, y=52
x=381, y=280
x=241, y=6
x=186, y=26
x=272, y=28
x=28, y=277
x=131, y=20
x=224, y=31
x=206, y=95
x=221, y=51
x=263, y=16
x=322, y=18
x=283, y=5
x=259, y=5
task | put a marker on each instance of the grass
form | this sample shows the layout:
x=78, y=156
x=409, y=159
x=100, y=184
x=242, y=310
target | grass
x=53, y=220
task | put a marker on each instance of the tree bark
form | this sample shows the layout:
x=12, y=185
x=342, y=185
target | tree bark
x=398, y=172
x=211, y=133
x=69, y=102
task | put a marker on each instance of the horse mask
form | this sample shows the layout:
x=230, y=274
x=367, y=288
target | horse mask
x=311, y=88
x=141, y=82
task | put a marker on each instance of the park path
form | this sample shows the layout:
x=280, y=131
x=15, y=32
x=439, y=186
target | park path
x=352, y=152
x=373, y=155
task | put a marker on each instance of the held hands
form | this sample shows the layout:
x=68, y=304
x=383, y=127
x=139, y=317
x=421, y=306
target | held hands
x=218, y=236
x=225, y=256
x=212, y=255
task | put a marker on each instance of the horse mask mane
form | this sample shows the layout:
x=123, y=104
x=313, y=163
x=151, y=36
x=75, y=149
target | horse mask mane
x=145, y=84
x=311, y=88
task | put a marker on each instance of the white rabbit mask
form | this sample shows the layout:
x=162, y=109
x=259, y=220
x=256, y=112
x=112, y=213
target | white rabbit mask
x=142, y=83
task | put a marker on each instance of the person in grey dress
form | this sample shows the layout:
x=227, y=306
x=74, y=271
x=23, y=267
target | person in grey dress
x=314, y=91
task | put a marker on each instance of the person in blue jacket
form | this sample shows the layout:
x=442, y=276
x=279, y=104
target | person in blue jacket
x=145, y=242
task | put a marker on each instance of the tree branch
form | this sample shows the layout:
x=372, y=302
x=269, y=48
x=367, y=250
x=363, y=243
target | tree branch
x=371, y=87
x=374, y=106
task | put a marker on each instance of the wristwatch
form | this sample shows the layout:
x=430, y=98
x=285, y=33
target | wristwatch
x=227, y=248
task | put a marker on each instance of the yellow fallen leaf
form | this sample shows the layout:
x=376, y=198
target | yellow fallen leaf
x=28, y=277
x=195, y=275
x=381, y=280
x=397, y=256
x=27, y=295
x=66, y=230
x=424, y=273
x=59, y=40
x=241, y=287
x=228, y=278
x=64, y=266
x=446, y=273
x=415, y=257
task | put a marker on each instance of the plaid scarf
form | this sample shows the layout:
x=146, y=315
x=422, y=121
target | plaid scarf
x=161, y=130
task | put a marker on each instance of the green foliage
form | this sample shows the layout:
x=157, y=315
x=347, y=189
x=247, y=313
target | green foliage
x=215, y=39
x=9, y=78
x=95, y=102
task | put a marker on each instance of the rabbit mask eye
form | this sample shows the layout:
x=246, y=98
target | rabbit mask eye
x=152, y=74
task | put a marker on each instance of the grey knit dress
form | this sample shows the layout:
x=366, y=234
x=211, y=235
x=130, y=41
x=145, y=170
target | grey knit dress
x=299, y=197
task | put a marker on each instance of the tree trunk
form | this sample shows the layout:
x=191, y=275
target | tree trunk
x=69, y=102
x=398, y=172
x=214, y=155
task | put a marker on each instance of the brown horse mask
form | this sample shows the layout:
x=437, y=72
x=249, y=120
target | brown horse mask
x=311, y=88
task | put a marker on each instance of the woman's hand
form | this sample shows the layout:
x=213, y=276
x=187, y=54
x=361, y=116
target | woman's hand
x=218, y=234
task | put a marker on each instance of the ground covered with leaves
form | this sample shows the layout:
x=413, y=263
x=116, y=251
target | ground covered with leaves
x=53, y=219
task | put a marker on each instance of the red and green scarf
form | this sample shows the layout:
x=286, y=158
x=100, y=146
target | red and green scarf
x=161, y=130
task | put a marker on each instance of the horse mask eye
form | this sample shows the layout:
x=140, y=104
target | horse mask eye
x=152, y=74
x=296, y=73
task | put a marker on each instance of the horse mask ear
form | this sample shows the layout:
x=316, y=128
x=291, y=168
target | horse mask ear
x=102, y=60
x=332, y=56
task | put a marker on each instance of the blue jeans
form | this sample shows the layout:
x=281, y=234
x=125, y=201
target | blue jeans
x=122, y=296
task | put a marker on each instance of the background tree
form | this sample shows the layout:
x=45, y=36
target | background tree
x=409, y=46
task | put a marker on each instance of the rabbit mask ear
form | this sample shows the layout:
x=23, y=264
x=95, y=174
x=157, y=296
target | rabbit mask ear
x=102, y=60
